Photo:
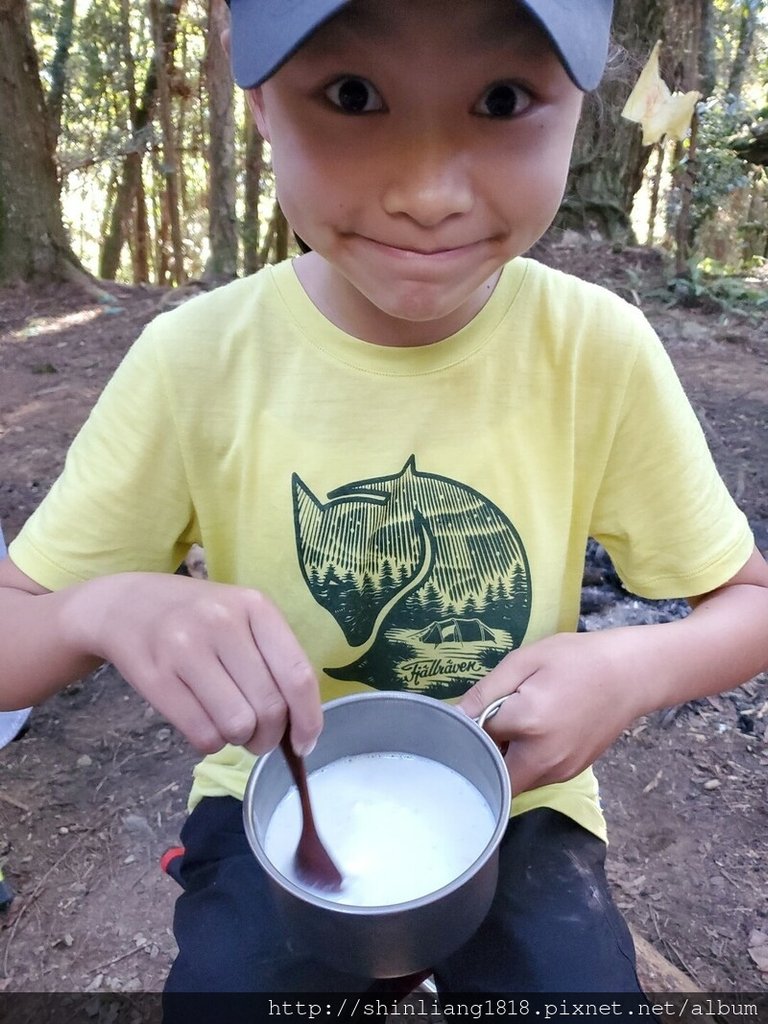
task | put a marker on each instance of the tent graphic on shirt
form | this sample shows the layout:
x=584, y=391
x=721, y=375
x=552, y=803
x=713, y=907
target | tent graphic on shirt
x=457, y=630
x=427, y=579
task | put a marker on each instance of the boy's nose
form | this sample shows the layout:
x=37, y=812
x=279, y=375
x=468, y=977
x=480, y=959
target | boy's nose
x=429, y=183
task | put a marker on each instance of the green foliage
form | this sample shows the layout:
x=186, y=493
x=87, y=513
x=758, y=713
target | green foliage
x=733, y=292
x=726, y=187
x=728, y=16
x=715, y=287
x=719, y=170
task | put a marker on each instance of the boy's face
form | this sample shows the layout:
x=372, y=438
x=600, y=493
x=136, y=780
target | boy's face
x=418, y=145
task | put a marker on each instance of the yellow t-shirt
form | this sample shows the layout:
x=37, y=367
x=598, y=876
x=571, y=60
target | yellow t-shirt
x=416, y=513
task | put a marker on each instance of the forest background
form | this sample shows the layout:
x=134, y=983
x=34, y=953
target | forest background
x=125, y=150
x=130, y=179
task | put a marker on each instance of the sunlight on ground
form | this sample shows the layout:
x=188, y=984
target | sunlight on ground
x=36, y=326
x=758, y=276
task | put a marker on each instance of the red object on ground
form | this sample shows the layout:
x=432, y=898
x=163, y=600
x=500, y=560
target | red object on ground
x=169, y=856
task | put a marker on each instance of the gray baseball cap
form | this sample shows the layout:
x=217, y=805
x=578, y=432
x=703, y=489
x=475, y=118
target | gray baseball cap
x=265, y=33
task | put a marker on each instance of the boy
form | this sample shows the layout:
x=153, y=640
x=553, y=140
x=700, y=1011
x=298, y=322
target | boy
x=393, y=450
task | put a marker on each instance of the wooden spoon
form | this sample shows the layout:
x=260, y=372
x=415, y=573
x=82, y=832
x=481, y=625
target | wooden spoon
x=311, y=862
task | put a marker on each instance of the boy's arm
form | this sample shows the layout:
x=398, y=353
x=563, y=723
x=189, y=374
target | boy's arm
x=37, y=660
x=573, y=694
x=217, y=661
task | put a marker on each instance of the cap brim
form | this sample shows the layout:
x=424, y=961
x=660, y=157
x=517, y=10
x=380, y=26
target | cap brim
x=580, y=34
x=582, y=40
x=259, y=46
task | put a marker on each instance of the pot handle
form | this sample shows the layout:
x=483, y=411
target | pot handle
x=487, y=713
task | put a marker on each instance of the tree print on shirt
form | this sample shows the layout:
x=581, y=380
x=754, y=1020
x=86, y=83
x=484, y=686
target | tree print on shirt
x=427, y=579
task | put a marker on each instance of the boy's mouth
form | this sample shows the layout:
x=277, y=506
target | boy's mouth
x=419, y=252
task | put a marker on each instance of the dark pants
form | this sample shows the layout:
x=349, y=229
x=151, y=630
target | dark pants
x=552, y=927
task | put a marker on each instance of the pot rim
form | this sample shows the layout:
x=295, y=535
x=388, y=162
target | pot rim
x=380, y=910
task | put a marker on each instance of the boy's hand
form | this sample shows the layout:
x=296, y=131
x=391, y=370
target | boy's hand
x=571, y=696
x=218, y=661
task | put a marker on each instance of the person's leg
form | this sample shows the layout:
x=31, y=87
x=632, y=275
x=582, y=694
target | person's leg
x=227, y=927
x=553, y=926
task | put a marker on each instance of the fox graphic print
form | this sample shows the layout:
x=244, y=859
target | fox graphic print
x=427, y=579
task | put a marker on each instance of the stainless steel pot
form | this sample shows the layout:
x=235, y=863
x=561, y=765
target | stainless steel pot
x=398, y=939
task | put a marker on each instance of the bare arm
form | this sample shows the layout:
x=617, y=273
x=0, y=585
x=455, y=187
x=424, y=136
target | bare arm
x=218, y=661
x=38, y=659
x=574, y=693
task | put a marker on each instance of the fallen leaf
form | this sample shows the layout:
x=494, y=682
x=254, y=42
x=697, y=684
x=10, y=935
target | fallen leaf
x=654, y=781
x=757, y=947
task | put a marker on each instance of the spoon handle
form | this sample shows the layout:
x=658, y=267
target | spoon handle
x=312, y=861
x=299, y=774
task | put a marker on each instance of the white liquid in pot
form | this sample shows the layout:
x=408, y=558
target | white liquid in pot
x=398, y=826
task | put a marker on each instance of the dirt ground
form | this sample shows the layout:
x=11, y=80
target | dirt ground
x=95, y=791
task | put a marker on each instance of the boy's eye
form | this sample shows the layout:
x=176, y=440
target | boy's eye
x=503, y=99
x=354, y=95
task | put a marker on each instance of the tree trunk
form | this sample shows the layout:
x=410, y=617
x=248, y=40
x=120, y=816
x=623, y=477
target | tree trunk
x=178, y=119
x=749, y=11
x=274, y=247
x=33, y=242
x=254, y=168
x=172, y=214
x=281, y=235
x=125, y=195
x=708, y=63
x=162, y=267
x=141, y=236
x=684, y=178
x=222, y=224
x=658, y=170
x=59, y=63
x=609, y=158
x=109, y=260
x=685, y=27
x=131, y=184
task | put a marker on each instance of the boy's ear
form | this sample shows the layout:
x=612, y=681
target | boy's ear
x=255, y=100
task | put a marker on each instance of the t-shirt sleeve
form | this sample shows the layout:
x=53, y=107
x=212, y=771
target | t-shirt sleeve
x=122, y=501
x=662, y=510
